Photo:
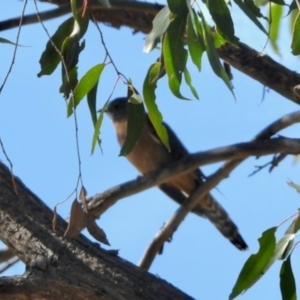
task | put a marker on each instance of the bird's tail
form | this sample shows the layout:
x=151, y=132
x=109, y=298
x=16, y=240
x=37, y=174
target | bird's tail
x=219, y=217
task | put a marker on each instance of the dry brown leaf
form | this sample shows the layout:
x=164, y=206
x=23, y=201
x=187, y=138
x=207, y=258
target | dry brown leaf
x=82, y=197
x=77, y=221
x=97, y=232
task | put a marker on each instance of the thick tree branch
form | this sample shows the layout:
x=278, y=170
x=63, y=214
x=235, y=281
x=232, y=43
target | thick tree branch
x=101, y=202
x=263, y=69
x=68, y=269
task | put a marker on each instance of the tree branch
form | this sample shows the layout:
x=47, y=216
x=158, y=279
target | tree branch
x=170, y=227
x=263, y=69
x=139, y=15
x=101, y=202
x=59, y=268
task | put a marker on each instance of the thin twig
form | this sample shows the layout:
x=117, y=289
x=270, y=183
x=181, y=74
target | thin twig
x=16, y=46
x=273, y=163
x=79, y=179
x=105, y=47
x=9, y=264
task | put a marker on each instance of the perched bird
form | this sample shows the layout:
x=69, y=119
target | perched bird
x=149, y=154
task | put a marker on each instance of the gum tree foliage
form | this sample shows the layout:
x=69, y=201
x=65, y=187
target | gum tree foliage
x=177, y=32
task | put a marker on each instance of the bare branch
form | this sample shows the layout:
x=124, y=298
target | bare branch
x=134, y=14
x=279, y=125
x=167, y=231
x=33, y=19
x=9, y=264
x=5, y=255
x=273, y=163
x=100, y=203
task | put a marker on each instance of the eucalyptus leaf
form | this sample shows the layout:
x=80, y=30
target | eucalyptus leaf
x=160, y=25
x=212, y=54
x=50, y=57
x=195, y=40
x=252, y=12
x=154, y=114
x=287, y=281
x=84, y=86
x=254, y=267
x=188, y=80
x=5, y=41
x=179, y=8
x=135, y=121
x=175, y=55
x=221, y=15
x=276, y=12
x=97, y=127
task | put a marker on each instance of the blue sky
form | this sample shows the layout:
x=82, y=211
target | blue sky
x=40, y=141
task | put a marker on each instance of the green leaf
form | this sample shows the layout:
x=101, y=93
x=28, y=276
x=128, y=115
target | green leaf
x=188, y=80
x=81, y=22
x=287, y=281
x=252, y=12
x=195, y=40
x=178, y=7
x=84, y=86
x=155, y=116
x=50, y=58
x=92, y=100
x=274, y=25
x=5, y=41
x=68, y=83
x=97, y=127
x=293, y=15
x=213, y=55
x=218, y=40
x=192, y=12
x=160, y=25
x=283, y=246
x=136, y=117
x=294, y=185
x=295, y=225
x=254, y=267
x=175, y=56
x=221, y=15
x=74, y=27
x=135, y=98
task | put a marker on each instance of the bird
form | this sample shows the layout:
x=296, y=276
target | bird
x=149, y=154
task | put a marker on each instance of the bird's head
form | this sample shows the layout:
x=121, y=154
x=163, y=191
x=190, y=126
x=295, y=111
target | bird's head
x=117, y=110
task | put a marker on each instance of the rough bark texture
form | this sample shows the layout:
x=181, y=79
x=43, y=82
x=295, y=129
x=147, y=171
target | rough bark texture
x=58, y=268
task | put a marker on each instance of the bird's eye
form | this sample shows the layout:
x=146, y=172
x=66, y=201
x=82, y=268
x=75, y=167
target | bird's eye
x=116, y=106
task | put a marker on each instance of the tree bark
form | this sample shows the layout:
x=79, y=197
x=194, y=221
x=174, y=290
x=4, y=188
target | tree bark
x=58, y=268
